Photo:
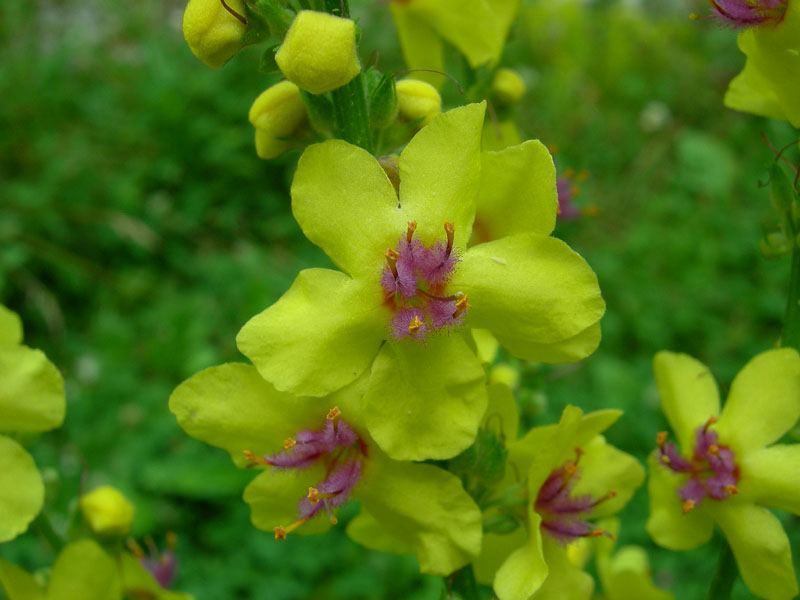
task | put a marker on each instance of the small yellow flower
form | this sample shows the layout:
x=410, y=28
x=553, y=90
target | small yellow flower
x=107, y=511
x=418, y=100
x=319, y=52
x=277, y=113
x=213, y=33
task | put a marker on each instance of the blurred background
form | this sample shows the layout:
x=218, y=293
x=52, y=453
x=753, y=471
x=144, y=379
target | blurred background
x=139, y=231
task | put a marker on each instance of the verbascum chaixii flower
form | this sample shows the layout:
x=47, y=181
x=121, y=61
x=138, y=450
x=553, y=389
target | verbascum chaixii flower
x=214, y=33
x=569, y=476
x=317, y=454
x=277, y=114
x=418, y=100
x=107, y=511
x=318, y=53
x=769, y=84
x=85, y=570
x=477, y=28
x=31, y=400
x=725, y=469
x=409, y=289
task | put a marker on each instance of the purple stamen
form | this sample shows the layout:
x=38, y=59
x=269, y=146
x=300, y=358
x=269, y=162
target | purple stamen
x=740, y=14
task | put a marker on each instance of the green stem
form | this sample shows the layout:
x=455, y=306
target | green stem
x=462, y=584
x=44, y=529
x=726, y=574
x=791, y=323
x=350, y=113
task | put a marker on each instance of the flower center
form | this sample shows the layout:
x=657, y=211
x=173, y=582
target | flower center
x=564, y=515
x=712, y=470
x=336, y=446
x=414, y=281
x=740, y=14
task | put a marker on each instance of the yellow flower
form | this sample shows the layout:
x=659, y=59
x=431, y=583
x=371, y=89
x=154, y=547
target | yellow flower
x=107, y=511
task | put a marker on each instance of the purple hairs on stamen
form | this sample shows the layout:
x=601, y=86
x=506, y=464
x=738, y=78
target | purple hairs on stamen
x=402, y=320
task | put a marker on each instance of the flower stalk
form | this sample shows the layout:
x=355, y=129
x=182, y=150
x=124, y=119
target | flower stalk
x=351, y=118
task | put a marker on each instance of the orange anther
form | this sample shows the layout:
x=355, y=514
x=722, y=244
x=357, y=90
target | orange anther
x=713, y=449
x=450, y=230
x=289, y=443
x=414, y=326
x=255, y=460
x=661, y=438
x=412, y=227
x=280, y=533
x=688, y=505
x=709, y=423
x=333, y=413
x=391, y=259
x=172, y=540
x=313, y=495
x=462, y=304
x=731, y=490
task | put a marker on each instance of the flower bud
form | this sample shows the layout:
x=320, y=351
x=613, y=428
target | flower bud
x=507, y=87
x=418, y=100
x=214, y=34
x=107, y=511
x=277, y=113
x=319, y=52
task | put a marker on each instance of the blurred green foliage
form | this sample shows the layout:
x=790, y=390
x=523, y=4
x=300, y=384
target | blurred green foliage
x=138, y=232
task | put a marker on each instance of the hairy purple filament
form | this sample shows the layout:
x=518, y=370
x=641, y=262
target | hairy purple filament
x=712, y=470
x=563, y=515
x=336, y=446
x=740, y=14
x=414, y=282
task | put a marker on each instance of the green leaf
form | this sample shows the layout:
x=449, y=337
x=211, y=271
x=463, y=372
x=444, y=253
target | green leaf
x=267, y=64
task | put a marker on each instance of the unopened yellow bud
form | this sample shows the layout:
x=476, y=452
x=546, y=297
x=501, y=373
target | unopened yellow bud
x=507, y=87
x=213, y=33
x=418, y=100
x=319, y=52
x=277, y=113
x=107, y=511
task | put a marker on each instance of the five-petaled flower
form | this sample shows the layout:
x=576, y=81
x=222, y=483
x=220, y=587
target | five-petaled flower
x=724, y=469
x=407, y=273
x=571, y=477
x=315, y=459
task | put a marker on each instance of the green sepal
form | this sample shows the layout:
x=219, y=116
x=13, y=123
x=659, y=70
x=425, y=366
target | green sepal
x=381, y=98
x=277, y=17
x=320, y=111
x=267, y=64
x=484, y=461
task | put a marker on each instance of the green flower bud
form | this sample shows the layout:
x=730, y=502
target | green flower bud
x=319, y=52
x=213, y=33
x=507, y=87
x=277, y=113
x=418, y=100
x=107, y=511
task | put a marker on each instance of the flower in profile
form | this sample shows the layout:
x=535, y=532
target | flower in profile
x=411, y=288
x=31, y=401
x=724, y=469
x=769, y=84
x=571, y=477
x=314, y=459
x=477, y=28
